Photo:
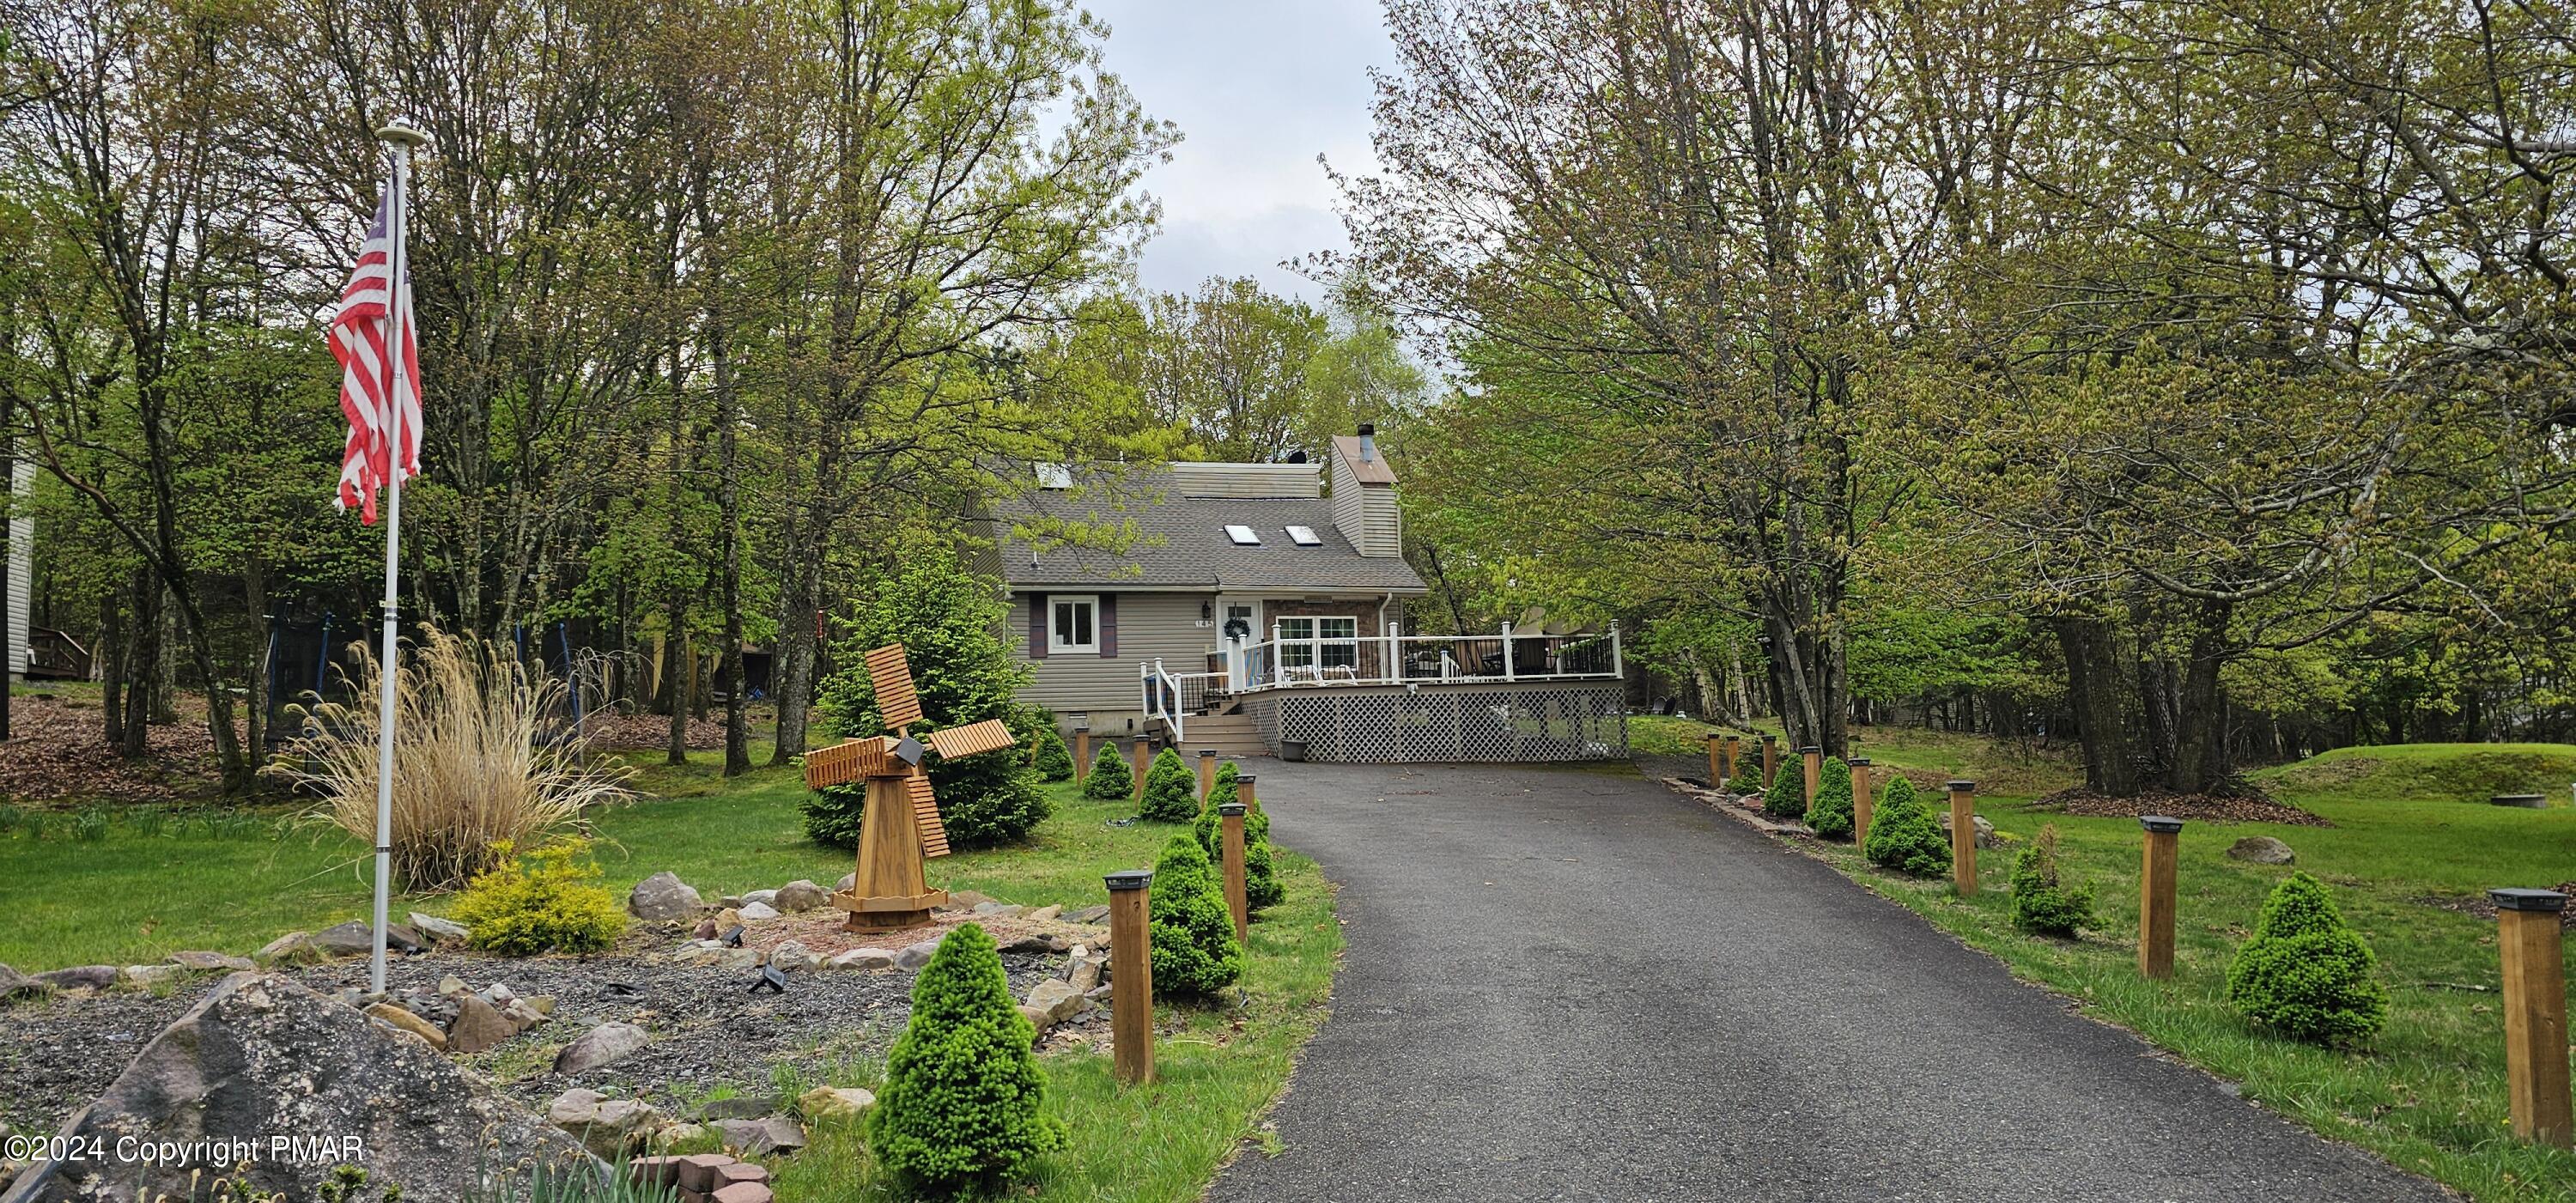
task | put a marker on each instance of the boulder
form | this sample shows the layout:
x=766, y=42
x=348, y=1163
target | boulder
x=1057, y=998
x=673, y=1135
x=95, y=977
x=767, y=898
x=773, y=1134
x=863, y=958
x=262, y=1055
x=999, y=910
x=848, y=882
x=1089, y=915
x=705, y=930
x=356, y=939
x=522, y=1014
x=212, y=962
x=1084, y=970
x=443, y=931
x=1038, y=942
x=792, y=957
x=144, y=977
x=14, y=984
x=294, y=947
x=451, y=984
x=1037, y=1017
x=825, y=1102
x=754, y=910
x=915, y=956
x=607, y=1127
x=479, y=1025
x=967, y=899
x=663, y=896
x=801, y=895
x=1047, y=912
x=401, y=1019
x=1985, y=837
x=2262, y=850
x=599, y=1046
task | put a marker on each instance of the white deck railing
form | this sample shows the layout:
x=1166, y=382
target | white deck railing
x=1392, y=659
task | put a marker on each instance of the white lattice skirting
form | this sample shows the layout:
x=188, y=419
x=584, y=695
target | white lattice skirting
x=1447, y=723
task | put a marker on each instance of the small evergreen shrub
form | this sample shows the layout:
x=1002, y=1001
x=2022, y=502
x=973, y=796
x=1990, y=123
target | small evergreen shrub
x=1171, y=789
x=1831, y=813
x=2042, y=903
x=1903, y=834
x=1194, y=950
x=1747, y=780
x=1110, y=777
x=2306, y=975
x=1787, y=798
x=1261, y=887
x=960, y=1110
x=548, y=900
x=1050, y=758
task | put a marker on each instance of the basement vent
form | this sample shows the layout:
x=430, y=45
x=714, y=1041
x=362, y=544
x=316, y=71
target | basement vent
x=1243, y=536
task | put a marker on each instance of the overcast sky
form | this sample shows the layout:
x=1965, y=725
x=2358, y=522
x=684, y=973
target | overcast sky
x=1258, y=89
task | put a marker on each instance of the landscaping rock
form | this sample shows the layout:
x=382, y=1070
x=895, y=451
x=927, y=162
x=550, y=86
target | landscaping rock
x=1037, y=1017
x=705, y=930
x=1058, y=999
x=864, y=958
x=1036, y=942
x=211, y=962
x=848, y=882
x=755, y=911
x=1047, y=913
x=674, y=1135
x=263, y=1055
x=740, y=1106
x=443, y=931
x=522, y=1014
x=825, y=1102
x=401, y=1019
x=791, y=957
x=608, y=1127
x=999, y=910
x=2262, y=850
x=916, y=956
x=1089, y=915
x=478, y=1026
x=1083, y=972
x=599, y=1046
x=293, y=947
x=968, y=899
x=767, y=898
x=775, y=1134
x=356, y=939
x=147, y=976
x=1985, y=837
x=14, y=984
x=801, y=895
x=663, y=897
x=94, y=977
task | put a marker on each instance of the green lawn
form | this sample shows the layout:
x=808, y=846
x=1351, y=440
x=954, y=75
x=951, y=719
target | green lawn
x=134, y=894
x=1997, y=768
x=2431, y=1095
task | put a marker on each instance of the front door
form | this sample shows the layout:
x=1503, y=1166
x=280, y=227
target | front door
x=1238, y=626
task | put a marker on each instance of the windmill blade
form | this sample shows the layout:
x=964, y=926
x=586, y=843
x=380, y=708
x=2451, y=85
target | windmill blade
x=890, y=674
x=987, y=736
x=849, y=761
x=925, y=816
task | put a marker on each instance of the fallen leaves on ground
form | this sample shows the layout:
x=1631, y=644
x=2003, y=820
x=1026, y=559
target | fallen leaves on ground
x=57, y=750
x=2203, y=808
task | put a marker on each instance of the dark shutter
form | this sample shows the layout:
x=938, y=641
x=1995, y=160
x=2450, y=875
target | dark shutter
x=1037, y=626
x=1108, y=626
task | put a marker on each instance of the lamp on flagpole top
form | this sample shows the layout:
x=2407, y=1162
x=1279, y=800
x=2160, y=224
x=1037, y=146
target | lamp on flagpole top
x=402, y=135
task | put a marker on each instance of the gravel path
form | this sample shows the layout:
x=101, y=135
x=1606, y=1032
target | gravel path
x=1573, y=984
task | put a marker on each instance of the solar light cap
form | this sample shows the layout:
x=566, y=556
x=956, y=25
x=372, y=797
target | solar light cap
x=1128, y=879
x=1811, y=750
x=2161, y=824
x=1963, y=785
x=2550, y=901
x=1243, y=779
x=1230, y=810
x=1207, y=753
x=1858, y=762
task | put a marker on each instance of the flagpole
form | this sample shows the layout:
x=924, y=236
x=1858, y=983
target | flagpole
x=401, y=139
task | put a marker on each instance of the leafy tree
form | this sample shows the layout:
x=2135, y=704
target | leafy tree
x=1904, y=835
x=962, y=1107
x=1171, y=790
x=948, y=621
x=1195, y=953
x=1831, y=813
x=2304, y=973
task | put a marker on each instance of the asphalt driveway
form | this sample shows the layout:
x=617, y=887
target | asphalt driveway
x=1572, y=984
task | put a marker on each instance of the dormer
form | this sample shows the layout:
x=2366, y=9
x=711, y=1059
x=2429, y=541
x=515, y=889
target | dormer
x=1364, y=495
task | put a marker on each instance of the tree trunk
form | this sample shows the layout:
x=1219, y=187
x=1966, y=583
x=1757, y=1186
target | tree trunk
x=2201, y=762
x=677, y=662
x=111, y=649
x=142, y=658
x=2093, y=693
x=255, y=598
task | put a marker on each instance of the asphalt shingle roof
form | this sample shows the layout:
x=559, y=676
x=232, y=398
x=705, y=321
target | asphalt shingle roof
x=1183, y=544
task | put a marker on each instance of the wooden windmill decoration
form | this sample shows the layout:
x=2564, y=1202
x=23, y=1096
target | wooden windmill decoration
x=901, y=826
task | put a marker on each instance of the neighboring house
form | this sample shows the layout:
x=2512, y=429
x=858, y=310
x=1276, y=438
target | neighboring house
x=1259, y=607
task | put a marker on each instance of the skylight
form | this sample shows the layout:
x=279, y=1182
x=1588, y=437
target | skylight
x=1242, y=535
x=1055, y=476
x=1304, y=536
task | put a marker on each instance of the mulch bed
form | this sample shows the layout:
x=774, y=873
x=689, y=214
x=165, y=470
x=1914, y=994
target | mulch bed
x=708, y=1029
x=2203, y=808
x=2480, y=906
x=650, y=731
x=57, y=750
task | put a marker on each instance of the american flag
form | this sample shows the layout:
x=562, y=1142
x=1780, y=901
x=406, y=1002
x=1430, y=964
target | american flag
x=358, y=341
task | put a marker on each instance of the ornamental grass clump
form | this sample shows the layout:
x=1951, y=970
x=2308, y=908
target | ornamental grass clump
x=2041, y=902
x=1194, y=951
x=478, y=762
x=2306, y=975
x=1787, y=798
x=1904, y=836
x=1830, y=815
x=961, y=1109
x=1050, y=758
x=1171, y=790
x=547, y=901
x=1110, y=777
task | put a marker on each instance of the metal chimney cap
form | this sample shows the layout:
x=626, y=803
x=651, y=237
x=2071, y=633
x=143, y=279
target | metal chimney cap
x=1231, y=810
x=2161, y=824
x=1367, y=429
x=2528, y=900
x=1128, y=879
